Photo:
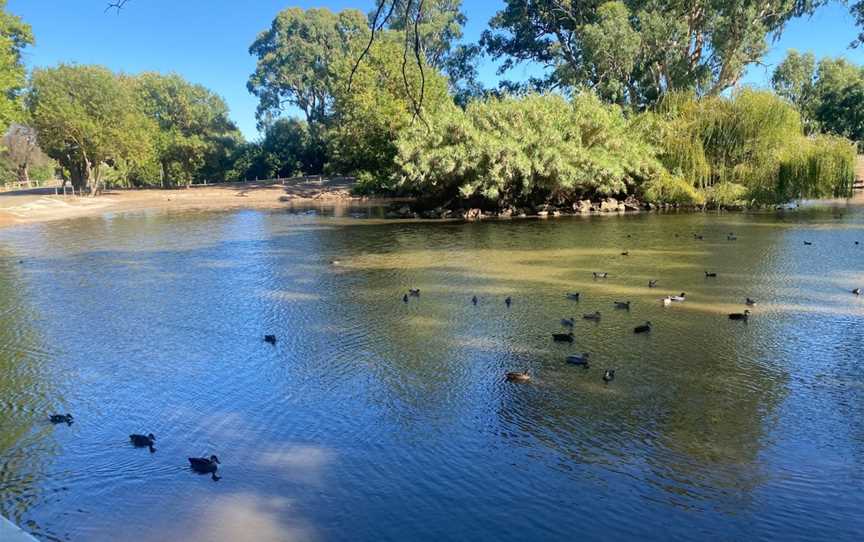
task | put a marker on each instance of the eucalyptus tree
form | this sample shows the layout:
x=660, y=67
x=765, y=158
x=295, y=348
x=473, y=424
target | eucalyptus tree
x=635, y=51
x=86, y=117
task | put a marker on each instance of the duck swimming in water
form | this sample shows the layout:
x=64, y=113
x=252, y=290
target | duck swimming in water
x=667, y=301
x=678, y=298
x=740, y=315
x=516, y=376
x=857, y=291
x=644, y=328
x=405, y=298
x=592, y=316
x=808, y=243
x=576, y=359
x=414, y=292
x=568, y=322
x=474, y=300
x=710, y=275
x=143, y=441
x=203, y=465
x=508, y=301
x=652, y=283
x=608, y=375
x=563, y=337
x=61, y=418
x=625, y=253
x=601, y=275
x=750, y=302
x=271, y=339
x=622, y=305
x=574, y=296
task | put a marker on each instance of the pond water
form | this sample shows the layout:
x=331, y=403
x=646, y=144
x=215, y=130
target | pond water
x=376, y=419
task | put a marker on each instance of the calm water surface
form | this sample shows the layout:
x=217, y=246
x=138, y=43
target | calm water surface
x=372, y=419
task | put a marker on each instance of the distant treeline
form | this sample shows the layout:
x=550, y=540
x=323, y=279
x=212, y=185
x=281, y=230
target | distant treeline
x=620, y=109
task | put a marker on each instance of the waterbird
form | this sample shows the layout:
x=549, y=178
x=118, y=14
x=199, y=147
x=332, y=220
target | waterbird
x=622, y=305
x=474, y=300
x=143, y=441
x=516, y=376
x=576, y=359
x=678, y=298
x=667, y=301
x=731, y=237
x=709, y=275
x=698, y=237
x=508, y=301
x=601, y=275
x=807, y=243
x=652, y=283
x=857, y=291
x=335, y=262
x=414, y=292
x=574, y=296
x=740, y=315
x=856, y=242
x=61, y=418
x=563, y=337
x=405, y=298
x=203, y=465
x=592, y=316
x=608, y=375
x=750, y=302
x=644, y=328
x=568, y=322
x=270, y=339
x=625, y=253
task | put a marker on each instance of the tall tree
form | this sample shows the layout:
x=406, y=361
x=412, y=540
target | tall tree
x=294, y=61
x=21, y=151
x=193, y=122
x=15, y=35
x=86, y=116
x=635, y=51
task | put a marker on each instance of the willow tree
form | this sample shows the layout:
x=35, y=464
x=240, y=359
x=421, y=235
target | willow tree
x=635, y=51
x=87, y=117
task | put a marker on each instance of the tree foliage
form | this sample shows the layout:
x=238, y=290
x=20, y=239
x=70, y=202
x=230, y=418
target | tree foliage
x=22, y=156
x=635, y=51
x=15, y=35
x=86, y=116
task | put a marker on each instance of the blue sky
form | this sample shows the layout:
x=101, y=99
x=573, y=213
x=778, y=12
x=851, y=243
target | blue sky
x=207, y=41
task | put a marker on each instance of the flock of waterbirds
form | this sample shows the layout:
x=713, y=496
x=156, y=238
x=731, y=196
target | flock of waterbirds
x=209, y=465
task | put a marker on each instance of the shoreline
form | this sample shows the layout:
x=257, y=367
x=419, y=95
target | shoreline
x=41, y=205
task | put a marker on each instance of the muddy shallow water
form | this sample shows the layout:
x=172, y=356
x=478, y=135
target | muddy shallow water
x=375, y=419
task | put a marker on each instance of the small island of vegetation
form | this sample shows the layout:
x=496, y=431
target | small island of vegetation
x=639, y=105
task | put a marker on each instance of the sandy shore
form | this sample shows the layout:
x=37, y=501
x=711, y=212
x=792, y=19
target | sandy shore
x=42, y=205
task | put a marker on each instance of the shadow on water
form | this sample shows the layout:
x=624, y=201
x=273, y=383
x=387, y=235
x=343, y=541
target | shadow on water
x=374, y=418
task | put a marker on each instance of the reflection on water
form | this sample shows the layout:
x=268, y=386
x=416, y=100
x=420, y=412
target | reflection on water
x=374, y=419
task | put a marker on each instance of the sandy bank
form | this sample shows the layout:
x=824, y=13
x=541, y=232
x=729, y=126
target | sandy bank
x=42, y=205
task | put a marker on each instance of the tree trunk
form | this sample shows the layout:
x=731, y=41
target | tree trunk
x=23, y=174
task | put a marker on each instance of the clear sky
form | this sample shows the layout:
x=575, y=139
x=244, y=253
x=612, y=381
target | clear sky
x=207, y=41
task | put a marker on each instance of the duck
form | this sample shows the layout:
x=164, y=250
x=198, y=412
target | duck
x=474, y=300
x=592, y=316
x=750, y=302
x=652, y=283
x=508, y=301
x=61, y=418
x=667, y=301
x=644, y=328
x=710, y=275
x=335, y=262
x=740, y=315
x=574, y=296
x=414, y=292
x=625, y=253
x=698, y=237
x=857, y=291
x=143, y=441
x=517, y=376
x=576, y=359
x=405, y=298
x=568, y=322
x=271, y=339
x=601, y=275
x=808, y=243
x=678, y=298
x=622, y=305
x=608, y=375
x=857, y=243
x=563, y=337
x=203, y=465
x=731, y=237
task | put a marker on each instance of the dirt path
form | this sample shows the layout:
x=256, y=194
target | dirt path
x=42, y=205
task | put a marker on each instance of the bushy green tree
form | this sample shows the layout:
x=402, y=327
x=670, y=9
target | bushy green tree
x=525, y=151
x=195, y=134
x=86, y=116
x=15, y=35
x=384, y=98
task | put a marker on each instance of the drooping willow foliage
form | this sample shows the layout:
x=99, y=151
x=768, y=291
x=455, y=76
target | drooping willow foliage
x=749, y=148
